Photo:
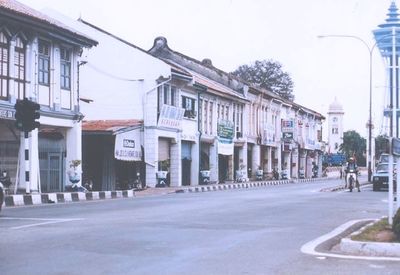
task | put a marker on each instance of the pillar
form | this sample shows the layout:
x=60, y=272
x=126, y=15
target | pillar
x=214, y=161
x=176, y=164
x=256, y=162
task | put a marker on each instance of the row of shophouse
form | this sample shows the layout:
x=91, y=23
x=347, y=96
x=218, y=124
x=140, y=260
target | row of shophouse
x=128, y=112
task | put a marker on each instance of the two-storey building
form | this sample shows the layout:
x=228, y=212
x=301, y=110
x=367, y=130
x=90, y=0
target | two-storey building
x=39, y=60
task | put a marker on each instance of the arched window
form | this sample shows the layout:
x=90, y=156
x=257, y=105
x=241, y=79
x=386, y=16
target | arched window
x=4, y=59
x=19, y=68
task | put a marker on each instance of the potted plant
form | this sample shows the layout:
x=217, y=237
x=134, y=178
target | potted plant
x=162, y=173
x=74, y=175
x=241, y=174
x=259, y=173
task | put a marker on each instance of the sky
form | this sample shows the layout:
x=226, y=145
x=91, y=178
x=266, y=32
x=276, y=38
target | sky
x=236, y=32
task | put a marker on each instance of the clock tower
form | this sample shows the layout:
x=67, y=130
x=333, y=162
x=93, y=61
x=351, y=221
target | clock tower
x=335, y=126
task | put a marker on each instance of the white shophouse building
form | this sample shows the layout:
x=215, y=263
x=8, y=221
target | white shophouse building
x=38, y=61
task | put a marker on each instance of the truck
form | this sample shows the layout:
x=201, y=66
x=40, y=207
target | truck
x=333, y=159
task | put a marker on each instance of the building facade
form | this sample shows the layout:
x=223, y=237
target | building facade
x=244, y=130
x=335, y=126
x=38, y=61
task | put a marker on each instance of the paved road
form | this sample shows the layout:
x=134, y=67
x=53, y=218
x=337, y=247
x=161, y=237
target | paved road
x=244, y=231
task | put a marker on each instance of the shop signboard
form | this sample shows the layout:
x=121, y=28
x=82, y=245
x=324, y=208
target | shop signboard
x=268, y=136
x=288, y=126
x=128, y=146
x=171, y=117
x=225, y=132
x=6, y=114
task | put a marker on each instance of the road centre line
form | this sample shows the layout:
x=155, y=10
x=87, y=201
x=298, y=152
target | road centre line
x=45, y=221
x=309, y=248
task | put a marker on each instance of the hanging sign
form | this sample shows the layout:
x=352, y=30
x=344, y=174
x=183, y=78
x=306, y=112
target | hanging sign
x=171, y=117
x=225, y=134
x=128, y=146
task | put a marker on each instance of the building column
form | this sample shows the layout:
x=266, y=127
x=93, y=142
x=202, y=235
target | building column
x=195, y=164
x=150, y=145
x=256, y=162
x=243, y=156
x=214, y=161
x=302, y=164
x=74, y=149
x=34, y=161
x=269, y=156
x=286, y=163
x=279, y=156
x=176, y=164
x=308, y=165
x=295, y=163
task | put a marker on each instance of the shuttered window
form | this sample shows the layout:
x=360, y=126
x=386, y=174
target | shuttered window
x=186, y=150
x=3, y=66
x=163, y=149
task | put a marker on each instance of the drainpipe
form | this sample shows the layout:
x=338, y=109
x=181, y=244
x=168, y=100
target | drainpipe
x=200, y=89
x=144, y=113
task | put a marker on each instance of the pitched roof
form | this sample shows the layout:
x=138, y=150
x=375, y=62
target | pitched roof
x=8, y=7
x=110, y=126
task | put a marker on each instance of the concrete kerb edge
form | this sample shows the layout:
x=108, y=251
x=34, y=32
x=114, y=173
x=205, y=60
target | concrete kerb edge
x=322, y=246
x=218, y=187
x=48, y=198
x=347, y=245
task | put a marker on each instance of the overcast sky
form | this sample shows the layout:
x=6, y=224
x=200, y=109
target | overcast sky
x=236, y=32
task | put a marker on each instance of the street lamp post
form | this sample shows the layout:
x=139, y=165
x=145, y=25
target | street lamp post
x=369, y=124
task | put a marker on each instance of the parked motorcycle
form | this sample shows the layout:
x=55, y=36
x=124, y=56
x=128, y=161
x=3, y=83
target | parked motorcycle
x=259, y=174
x=205, y=177
x=138, y=183
x=275, y=174
x=302, y=173
x=5, y=182
x=284, y=175
x=76, y=187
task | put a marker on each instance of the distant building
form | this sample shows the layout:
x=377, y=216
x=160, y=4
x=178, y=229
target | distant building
x=335, y=126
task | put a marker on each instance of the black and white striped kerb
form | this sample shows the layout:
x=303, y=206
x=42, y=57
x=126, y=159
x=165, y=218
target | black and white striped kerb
x=49, y=198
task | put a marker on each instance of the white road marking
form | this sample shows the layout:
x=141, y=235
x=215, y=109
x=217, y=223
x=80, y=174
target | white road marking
x=45, y=221
x=309, y=248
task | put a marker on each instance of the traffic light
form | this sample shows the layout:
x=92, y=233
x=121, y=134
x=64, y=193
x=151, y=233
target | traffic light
x=26, y=114
x=19, y=114
x=32, y=115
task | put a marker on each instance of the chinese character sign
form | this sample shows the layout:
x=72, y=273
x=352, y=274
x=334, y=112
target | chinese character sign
x=128, y=146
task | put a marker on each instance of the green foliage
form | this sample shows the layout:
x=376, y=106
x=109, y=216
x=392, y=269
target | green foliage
x=267, y=74
x=354, y=145
x=396, y=224
x=381, y=145
x=74, y=163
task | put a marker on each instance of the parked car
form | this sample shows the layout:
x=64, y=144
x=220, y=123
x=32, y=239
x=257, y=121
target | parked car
x=383, y=158
x=380, y=178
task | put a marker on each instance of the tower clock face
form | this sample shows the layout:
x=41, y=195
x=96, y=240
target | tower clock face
x=334, y=119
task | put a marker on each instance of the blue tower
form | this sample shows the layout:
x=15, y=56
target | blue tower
x=387, y=38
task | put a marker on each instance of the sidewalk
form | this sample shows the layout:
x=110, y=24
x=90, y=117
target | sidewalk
x=67, y=197
x=338, y=244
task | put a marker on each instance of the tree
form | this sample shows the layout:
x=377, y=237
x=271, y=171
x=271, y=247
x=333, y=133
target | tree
x=381, y=145
x=354, y=145
x=267, y=74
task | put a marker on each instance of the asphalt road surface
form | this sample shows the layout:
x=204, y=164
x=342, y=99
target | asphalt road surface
x=243, y=231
